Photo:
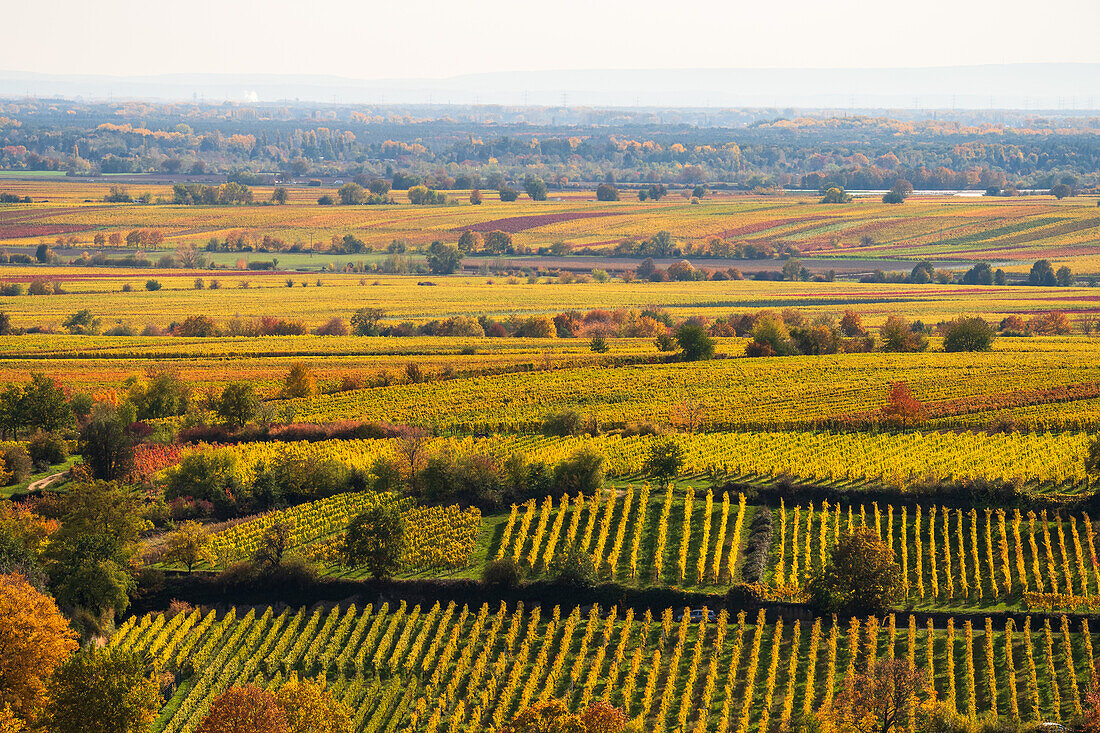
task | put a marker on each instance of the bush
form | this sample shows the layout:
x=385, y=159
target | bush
x=17, y=465
x=573, y=567
x=504, y=573
x=563, y=422
x=758, y=545
x=694, y=342
x=152, y=285
x=47, y=449
x=583, y=472
x=208, y=476
x=968, y=334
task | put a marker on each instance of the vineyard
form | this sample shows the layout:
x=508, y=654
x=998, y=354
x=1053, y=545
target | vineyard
x=437, y=538
x=1041, y=461
x=456, y=669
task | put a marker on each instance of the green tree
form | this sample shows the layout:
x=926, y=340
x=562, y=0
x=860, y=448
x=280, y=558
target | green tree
x=664, y=460
x=351, y=193
x=1042, y=273
x=161, y=394
x=364, y=322
x=1060, y=191
x=607, y=192
x=1064, y=277
x=922, y=272
x=43, y=404
x=89, y=558
x=574, y=567
x=83, y=322
x=106, y=447
x=103, y=690
x=279, y=195
x=695, y=344
x=443, y=259
x=583, y=472
x=861, y=576
x=376, y=540
x=535, y=188
x=968, y=334
x=237, y=404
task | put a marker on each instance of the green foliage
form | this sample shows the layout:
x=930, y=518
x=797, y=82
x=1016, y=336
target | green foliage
x=82, y=322
x=968, y=334
x=376, y=540
x=103, y=690
x=836, y=195
x=89, y=558
x=583, y=472
x=574, y=567
x=237, y=404
x=504, y=572
x=443, y=259
x=106, y=447
x=861, y=576
x=695, y=344
x=563, y=422
x=207, y=476
x=664, y=460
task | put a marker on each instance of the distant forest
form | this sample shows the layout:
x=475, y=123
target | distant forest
x=471, y=147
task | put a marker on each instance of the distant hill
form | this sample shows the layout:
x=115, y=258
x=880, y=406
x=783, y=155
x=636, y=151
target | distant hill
x=1052, y=87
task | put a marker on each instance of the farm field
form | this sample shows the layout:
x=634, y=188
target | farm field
x=449, y=668
x=1013, y=231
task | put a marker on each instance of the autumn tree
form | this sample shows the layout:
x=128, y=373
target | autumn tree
x=103, y=690
x=187, y=545
x=273, y=546
x=851, y=325
x=443, y=259
x=898, y=335
x=553, y=715
x=861, y=576
x=310, y=707
x=299, y=382
x=901, y=407
x=34, y=639
x=695, y=344
x=376, y=540
x=247, y=709
x=879, y=700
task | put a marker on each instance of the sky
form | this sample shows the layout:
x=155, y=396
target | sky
x=366, y=39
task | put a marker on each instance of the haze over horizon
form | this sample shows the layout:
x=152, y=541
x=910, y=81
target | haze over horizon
x=435, y=39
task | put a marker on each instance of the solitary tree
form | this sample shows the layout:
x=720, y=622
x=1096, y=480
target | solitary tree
x=1042, y=273
x=83, y=322
x=237, y=404
x=881, y=699
x=968, y=334
x=299, y=382
x=273, y=546
x=443, y=259
x=108, y=690
x=376, y=540
x=695, y=344
x=861, y=577
x=247, y=709
x=364, y=322
x=664, y=460
x=187, y=545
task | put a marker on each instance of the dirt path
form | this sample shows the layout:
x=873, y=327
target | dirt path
x=42, y=483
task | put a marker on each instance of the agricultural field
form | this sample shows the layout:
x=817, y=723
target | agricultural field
x=605, y=462
x=441, y=667
x=1010, y=232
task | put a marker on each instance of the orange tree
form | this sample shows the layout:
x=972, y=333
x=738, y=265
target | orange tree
x=247, y=709
x=34, y=639
x=553, y=716
x=879, y=699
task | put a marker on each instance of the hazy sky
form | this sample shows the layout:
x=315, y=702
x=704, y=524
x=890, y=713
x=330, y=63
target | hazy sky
x=426, y=38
